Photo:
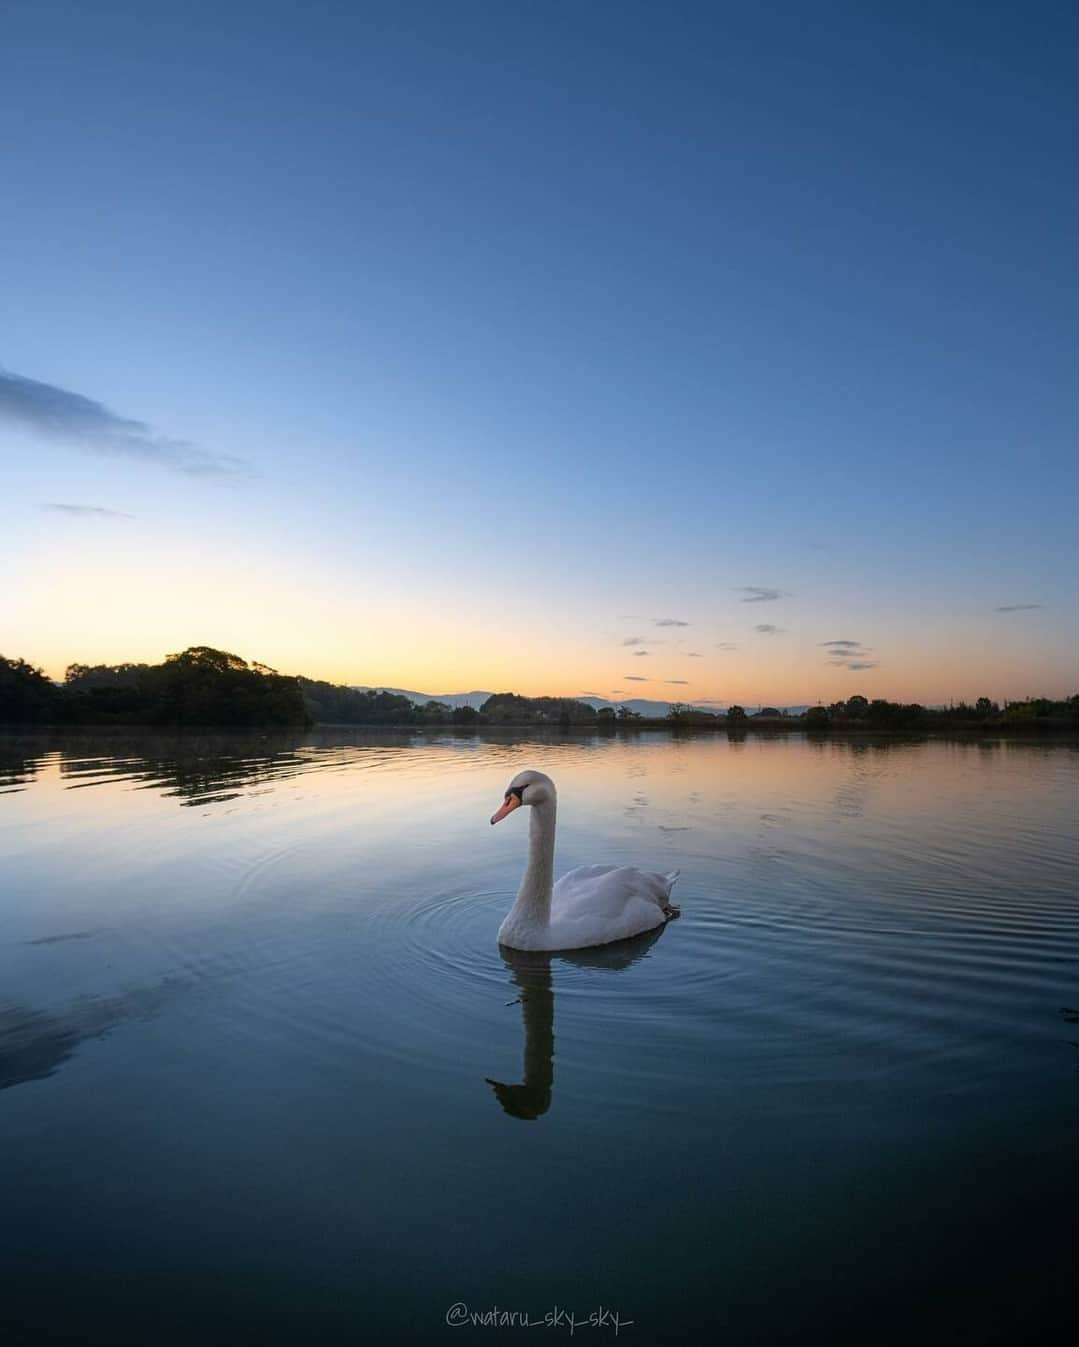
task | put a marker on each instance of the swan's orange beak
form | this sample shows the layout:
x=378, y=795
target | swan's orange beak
x=511, y=803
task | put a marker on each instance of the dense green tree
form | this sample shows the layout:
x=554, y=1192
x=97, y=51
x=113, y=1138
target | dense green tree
x=736, y=717
x=86, y=677
x=336, y=704
x=205, y=659
x=682, y=716
x=507, y=706
x=205, y=686
x=511, y=709
x=197, y=686
x=101, y=693
x=26, y=694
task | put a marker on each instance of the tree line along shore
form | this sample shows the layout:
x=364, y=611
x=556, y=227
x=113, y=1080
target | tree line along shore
x=202, y=686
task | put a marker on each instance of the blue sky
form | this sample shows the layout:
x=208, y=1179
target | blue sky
x=465, y=341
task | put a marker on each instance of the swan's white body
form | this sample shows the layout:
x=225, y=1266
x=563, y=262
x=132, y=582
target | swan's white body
x=592, y=905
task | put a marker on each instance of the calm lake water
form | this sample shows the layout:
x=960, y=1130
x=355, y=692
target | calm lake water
x=265, y=1076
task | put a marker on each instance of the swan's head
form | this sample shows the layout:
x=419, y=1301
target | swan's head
x=530, y=788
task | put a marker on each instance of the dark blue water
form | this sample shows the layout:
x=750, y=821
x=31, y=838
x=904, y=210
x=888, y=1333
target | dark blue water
x=265, y=1076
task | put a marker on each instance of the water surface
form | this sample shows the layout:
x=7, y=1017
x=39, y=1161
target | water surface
x=265, y=1075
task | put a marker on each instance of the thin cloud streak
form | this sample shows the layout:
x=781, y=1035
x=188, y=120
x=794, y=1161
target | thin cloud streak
x=1016, y=607
x=760, y=594
x=83, y=511
x=851, y=655
x=57, y=414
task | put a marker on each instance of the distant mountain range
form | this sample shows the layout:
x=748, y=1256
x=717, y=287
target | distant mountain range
x=641, y=705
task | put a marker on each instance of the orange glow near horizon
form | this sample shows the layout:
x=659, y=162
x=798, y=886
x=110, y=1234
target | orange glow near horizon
x=110, y=607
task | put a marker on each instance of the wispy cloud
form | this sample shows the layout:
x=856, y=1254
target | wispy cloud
x=633, y=640
x=683, y=682
x=760, y=594
x=640, y=654
x=669, y=622
x=851, y=655
x=693, y=654
x=726, y=645
x=769, y=629
x=1016, y=607
x=632, y=678
x=70, y=418
x=83, y=511
x=589, y=694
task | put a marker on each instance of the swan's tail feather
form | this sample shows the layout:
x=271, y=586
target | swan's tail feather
x=669, y=909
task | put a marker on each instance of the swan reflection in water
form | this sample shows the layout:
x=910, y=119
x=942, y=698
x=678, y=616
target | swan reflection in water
x=531, y=974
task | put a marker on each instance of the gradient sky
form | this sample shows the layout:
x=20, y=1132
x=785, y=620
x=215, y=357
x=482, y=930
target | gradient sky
x=454, y=345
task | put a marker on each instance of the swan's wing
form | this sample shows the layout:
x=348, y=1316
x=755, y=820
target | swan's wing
x=595, y=904
x=603, y=885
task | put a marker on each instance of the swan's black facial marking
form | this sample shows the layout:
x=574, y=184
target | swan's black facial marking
x=519, y=791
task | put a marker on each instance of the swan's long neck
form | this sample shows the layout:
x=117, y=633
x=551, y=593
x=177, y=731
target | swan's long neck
x=534, y=896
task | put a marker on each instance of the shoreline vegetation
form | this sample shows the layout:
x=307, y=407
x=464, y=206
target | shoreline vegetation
x=202, y=687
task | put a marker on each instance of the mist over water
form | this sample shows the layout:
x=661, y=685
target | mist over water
x=265, y=1074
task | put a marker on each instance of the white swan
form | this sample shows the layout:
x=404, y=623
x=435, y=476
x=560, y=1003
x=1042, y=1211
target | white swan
x=592, y=905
